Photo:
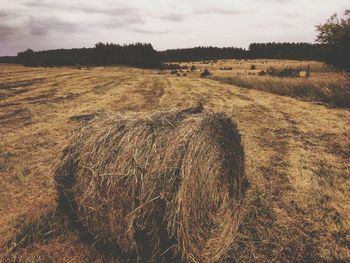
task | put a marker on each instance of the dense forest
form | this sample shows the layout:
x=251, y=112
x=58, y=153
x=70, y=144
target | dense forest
x=299, y=51
x=137, y=55
x=8, y=59
x=144, y=56
x=203, y=53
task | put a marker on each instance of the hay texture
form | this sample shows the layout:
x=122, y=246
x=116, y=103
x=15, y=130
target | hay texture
x=156, y=186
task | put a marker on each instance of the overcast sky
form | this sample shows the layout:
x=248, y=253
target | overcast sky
x=48, y=24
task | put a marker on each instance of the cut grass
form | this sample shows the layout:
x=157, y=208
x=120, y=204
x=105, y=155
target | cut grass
x=297, y=159
x=39, y=225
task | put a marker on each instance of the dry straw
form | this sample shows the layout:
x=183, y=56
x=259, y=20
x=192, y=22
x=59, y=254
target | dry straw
x=156, y=186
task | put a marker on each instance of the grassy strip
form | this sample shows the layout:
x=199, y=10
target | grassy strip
x=335, y=93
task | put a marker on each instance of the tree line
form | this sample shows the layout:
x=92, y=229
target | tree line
x=144, y=56
x=299, y=51
x=137, y=55
x=203, y=53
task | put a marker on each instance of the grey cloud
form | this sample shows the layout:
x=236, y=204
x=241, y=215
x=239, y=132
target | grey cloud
x=122, y=11
x=34, y=26
x=173, y=17
x=222, y=11
x=6, y=31
x=225, y=11
x=286, y=25
x=41, y=27
x=40, y=18
x=9, y=26
x=3, y=14
x=50, y=4
x=10, y=14
x=293, y=15
x=119, y=22
x=149, y=31
x=35, y=4
x=91, y=9
x=203, y=10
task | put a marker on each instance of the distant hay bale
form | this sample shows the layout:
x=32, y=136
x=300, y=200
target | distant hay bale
x=304, y=74
x=164, y=184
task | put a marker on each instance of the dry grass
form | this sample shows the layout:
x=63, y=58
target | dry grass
x=335, y=93
x=243, y=65
x=324, y=85
x=297, y=160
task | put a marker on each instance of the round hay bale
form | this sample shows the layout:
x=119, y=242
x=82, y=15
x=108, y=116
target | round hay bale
x=165, y=184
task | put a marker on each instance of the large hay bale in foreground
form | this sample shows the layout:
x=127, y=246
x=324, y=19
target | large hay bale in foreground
x=155, y=185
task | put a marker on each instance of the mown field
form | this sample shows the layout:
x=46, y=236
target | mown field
x=297, y=207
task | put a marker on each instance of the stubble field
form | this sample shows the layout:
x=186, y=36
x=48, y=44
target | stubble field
x=297, y=152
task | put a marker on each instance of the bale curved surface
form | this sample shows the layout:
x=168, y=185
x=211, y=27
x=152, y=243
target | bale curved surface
x=155, y=185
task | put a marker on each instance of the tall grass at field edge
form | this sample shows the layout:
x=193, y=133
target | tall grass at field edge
x=335, y=93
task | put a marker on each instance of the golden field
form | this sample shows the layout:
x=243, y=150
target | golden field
x=297, y=207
